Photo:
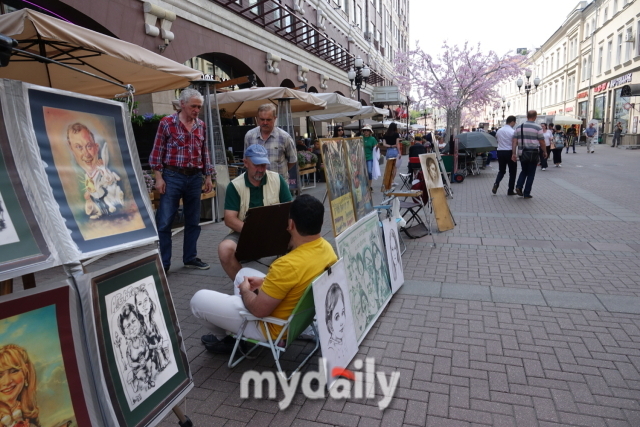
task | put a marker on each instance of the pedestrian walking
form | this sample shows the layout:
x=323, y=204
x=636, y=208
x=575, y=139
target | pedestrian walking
x=571, y=138
x=548, y=136
x=180, y=157
x=559, y=140
x=590, y=132
x=617, y=134
x=505, y=144
x=528, y=138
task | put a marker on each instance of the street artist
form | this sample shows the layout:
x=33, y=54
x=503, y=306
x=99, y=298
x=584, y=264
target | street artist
x=256, y=187
x=275, y=294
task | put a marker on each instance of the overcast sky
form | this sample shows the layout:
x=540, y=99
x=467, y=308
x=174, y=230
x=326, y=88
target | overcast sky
x=499, y=25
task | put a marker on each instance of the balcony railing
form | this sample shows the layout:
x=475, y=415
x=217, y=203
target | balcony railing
x=282, y=21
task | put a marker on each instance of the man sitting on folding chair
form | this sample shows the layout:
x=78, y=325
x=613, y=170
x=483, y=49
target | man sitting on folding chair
x=275, y=294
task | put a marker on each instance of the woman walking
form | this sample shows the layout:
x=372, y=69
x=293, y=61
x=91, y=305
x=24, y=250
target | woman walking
x=392, y=142
x=548, y=135
x=559, y=139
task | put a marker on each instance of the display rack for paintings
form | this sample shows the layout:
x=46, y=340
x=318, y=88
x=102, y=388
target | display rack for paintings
x=389, y=175
x=443, y=171
x=435, y=188
x=80, y=194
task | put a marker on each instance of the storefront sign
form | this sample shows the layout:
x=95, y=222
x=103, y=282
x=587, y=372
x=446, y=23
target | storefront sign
x=601, y=87
x=583, y=95
x=621, y=80
x=568, y=109
x=551, y=113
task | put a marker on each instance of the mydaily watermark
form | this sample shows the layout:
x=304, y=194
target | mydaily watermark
x=357, y=383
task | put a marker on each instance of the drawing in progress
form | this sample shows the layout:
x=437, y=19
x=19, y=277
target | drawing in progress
x=357, y=168
x=360, y=247
x=143, y=351
x=431, y=170
x=394, y=257
x=335, y=319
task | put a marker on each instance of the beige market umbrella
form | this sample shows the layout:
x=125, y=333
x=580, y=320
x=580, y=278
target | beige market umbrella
x=336, y=104
x=87, y=50
x=245, y=102
x=565, y=120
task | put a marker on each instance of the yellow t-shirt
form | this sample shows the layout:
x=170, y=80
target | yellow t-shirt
x=290, y=275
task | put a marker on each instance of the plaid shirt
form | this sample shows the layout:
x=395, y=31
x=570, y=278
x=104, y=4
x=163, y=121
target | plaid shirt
x=280, y=149
x=176, y=146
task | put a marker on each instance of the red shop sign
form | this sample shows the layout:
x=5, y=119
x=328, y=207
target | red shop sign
x=601, y=87
x=583, y=95
x=568, y=109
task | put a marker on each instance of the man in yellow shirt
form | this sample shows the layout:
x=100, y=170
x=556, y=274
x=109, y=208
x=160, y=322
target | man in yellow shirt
x=275, y=294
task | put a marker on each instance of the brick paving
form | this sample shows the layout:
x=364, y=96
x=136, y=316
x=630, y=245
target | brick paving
x=526, y=314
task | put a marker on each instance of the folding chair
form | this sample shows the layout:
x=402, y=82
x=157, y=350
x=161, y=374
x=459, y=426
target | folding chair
x=406, y=180
x=301, y=318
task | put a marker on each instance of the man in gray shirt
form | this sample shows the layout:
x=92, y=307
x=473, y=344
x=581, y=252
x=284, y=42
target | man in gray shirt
x=505, y=141
x=530, y=138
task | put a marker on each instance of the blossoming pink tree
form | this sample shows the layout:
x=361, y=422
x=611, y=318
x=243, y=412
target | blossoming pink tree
x=459, y=78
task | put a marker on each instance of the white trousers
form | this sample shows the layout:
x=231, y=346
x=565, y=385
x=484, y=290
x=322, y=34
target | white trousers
x=591, y=145
x=220, y=313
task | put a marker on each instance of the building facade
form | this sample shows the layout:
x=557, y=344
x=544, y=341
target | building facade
x=282, y=42
x=584, y=65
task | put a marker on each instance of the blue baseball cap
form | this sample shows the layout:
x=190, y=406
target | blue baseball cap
x=257, y=154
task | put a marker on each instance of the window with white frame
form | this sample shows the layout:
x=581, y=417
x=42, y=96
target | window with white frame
x=555, y=93
x=615, y=6
x=584, y=69
x=619, y=49
x=587, y=32
x=593, y=25
x=600, y=53
x=629, y=45
x=609, y=53
x=557, y=58
x=564, y=55
x=354, y=12
x=606, y=15
x=359, y=17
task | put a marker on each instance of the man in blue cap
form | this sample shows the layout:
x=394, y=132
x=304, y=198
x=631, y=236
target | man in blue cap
x=256, y=187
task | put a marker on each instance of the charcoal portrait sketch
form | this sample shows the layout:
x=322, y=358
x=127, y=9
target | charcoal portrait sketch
x=142, y=348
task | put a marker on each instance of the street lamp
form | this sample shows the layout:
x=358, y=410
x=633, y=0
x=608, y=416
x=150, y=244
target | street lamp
x=359, y=76
x=505, y=105
x=527, y=85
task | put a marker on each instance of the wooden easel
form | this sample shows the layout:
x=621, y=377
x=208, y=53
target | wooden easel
x=443, y=171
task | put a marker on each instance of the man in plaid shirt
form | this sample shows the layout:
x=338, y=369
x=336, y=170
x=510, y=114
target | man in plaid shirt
x=180, y=157
x=279, y=144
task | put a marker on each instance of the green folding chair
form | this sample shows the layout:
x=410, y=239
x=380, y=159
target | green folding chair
x=300, y=319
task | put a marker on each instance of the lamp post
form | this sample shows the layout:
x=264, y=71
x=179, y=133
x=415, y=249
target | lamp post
x=359, y=74
x=505, y=105
x=527, y=85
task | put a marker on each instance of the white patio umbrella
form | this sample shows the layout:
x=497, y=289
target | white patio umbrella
x=336, y=104
x=245, y=102
x=107, y=57
x=364, y=113
x=565, y=120
x=374, y=125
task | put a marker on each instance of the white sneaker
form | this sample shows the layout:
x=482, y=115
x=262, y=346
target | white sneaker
x=544, y=169
x=559, y=166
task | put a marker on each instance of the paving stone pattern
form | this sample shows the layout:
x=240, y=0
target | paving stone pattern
x=526, y=314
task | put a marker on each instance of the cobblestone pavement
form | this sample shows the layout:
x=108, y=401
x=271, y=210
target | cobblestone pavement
x=526, y=314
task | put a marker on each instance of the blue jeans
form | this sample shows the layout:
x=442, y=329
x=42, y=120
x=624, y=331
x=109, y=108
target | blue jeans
x=392, y=153
x=527, y=173
x=370, y=169
x=189, y=189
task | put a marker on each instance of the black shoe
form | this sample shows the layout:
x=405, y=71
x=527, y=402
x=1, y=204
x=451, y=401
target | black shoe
x=494, y=190
x=519, y=191
x=511, y=193
x=214, y=345
x=528, y=197
x=197, y=263
x=166, y=269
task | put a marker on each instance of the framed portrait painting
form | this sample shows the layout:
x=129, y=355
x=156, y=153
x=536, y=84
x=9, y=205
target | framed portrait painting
x=335, y=319
x=358, y=176
x=393, y=252
x=23, y=248
x=338, y=185
x=139, y=348
x=41, y=346
x=431, y=170
x=86, y=152
x=361, y=248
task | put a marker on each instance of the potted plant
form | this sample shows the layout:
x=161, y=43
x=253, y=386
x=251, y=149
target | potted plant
x=405, y=146
x=306, y=159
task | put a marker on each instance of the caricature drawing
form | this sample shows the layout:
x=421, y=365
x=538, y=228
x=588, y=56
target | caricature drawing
x=138, y=352
x=146, y=308
x=335, y=317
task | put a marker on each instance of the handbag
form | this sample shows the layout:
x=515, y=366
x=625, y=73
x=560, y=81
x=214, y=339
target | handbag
x=559, y=141
x=529, y=156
